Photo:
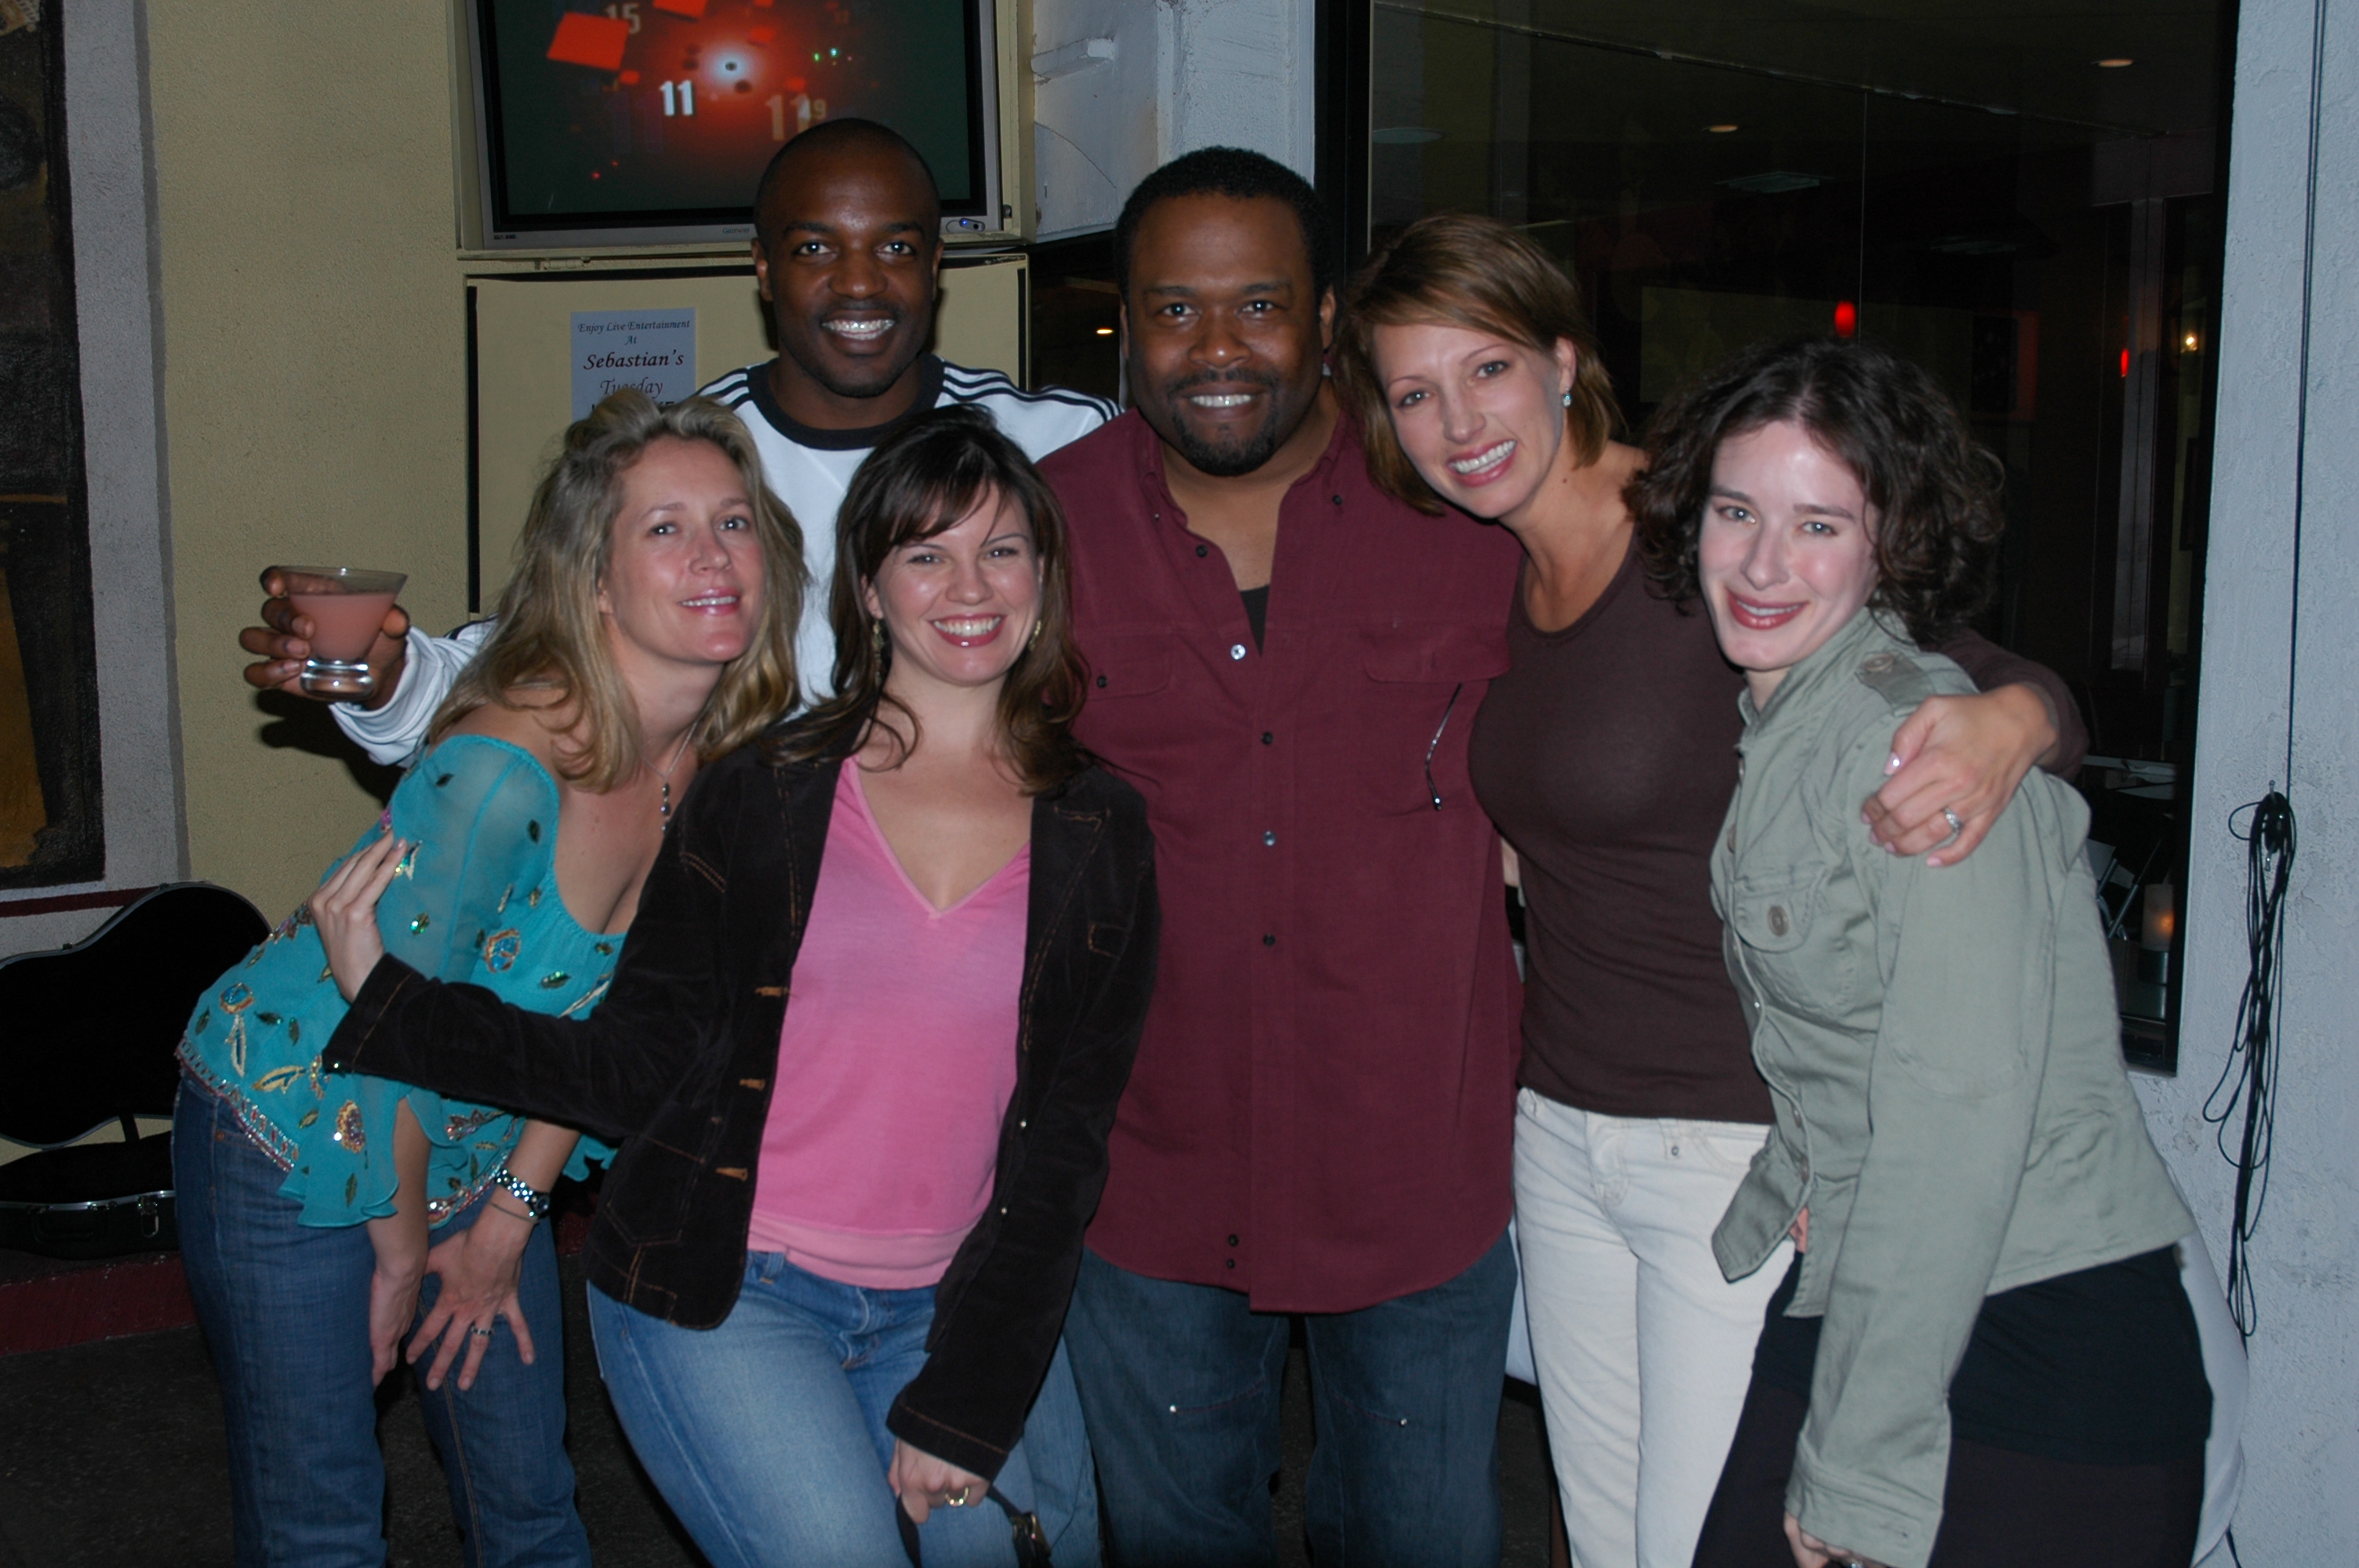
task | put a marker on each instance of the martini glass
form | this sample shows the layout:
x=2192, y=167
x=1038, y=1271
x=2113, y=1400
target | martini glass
x=346, y=606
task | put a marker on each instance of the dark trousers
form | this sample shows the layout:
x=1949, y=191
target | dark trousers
x=1179, y=1386
x=2001, y=1509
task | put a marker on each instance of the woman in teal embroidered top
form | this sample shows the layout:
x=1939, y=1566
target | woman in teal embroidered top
x=648, y=627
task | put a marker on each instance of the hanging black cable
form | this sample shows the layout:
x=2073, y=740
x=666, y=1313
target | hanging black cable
x=2250, y=1075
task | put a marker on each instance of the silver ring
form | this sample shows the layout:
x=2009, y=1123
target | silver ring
x=1956, y=828
x=959, y=1500
x=480, y=1331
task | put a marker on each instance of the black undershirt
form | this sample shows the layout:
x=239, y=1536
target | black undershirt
x=1256, y=609
x=2102, y=1366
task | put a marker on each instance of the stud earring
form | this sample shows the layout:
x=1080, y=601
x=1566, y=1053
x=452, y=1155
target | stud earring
x=1568, y=398
x=876, y=636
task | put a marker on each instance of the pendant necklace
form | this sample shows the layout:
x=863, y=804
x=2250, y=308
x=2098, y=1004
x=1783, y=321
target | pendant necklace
x=663, y=808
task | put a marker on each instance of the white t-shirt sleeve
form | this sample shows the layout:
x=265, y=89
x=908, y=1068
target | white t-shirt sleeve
x=392, y=734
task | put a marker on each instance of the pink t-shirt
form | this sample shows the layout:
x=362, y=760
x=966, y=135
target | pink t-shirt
x=895, y=1064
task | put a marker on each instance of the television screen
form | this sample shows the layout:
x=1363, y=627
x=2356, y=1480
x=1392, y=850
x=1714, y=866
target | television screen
x=654, y=115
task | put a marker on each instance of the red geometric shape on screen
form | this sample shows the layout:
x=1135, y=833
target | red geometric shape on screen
x=759, y=36
x=628, y=78
x=692, y=9
x=596, y=41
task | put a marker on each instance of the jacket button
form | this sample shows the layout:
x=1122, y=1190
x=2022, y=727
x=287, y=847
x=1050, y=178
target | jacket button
x=1232, y=1263
x=1233, y=1241
x=1237, y=650
x=1101, y=683
x=1778, y=920
x=1270, y=737
x=1269, y=840
x=1269, y=940
x=1021, y=1126
x=1202, y=550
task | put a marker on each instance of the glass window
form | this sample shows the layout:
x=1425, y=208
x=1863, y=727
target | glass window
x=2025, y=203
x=49, y=826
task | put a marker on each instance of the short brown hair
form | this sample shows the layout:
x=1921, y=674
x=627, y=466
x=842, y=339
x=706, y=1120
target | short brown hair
x=1465, y=271
x=1934, y=488
x=918, y=482
x=550, y=634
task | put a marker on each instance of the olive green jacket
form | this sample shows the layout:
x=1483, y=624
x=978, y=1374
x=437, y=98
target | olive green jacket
x=1943, y=1055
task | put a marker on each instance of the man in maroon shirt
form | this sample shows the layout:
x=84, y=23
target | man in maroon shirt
x=1287, y=664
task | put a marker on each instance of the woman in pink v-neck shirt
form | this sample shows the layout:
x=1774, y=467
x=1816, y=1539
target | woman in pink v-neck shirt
x=862, y=1051
x=893, y=1068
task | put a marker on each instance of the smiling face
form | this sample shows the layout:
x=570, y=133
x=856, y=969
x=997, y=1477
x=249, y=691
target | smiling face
x=1481, y=416
x=684, y=574
x=849, y=248
x=1787, y=553
x=958, y=608
x=1224, y=326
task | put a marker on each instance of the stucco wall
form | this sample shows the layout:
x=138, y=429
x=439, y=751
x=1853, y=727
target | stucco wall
x=1185, y=74
x=314, y=378
x=2302, y=1439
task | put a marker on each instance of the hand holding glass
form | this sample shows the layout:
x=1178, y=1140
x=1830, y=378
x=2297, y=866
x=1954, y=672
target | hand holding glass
x=346, y=607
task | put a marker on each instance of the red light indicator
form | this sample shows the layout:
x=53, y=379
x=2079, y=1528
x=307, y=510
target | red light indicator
x=628, y=78
x=1846, y=319
x=2125, y=364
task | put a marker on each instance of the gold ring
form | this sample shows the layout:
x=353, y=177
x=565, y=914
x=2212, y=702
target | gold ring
x=959, y=1500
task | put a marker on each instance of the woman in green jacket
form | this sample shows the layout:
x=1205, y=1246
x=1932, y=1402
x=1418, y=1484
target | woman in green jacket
x=1982, y=1353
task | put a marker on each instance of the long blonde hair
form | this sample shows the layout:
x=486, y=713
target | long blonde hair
x=551, y=635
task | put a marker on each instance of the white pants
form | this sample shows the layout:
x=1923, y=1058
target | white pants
x=1644, y=1350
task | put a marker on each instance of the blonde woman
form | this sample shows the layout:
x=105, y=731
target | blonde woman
x=326, y=1218
x=864, y=1048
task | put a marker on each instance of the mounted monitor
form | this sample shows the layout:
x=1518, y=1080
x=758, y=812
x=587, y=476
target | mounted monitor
x=646, y=123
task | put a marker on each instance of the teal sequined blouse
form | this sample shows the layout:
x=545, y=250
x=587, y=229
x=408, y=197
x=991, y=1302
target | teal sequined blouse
x=475, y=899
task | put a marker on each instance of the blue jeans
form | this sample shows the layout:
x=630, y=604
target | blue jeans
x=284, y=1310
x=766, y=1435
x=1181, y=1385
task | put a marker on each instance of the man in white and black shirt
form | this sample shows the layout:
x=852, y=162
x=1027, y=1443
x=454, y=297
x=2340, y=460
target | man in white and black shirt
x=848, y=246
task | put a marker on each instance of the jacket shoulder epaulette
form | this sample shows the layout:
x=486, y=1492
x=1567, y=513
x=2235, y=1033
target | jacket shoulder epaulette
x=1901, y=681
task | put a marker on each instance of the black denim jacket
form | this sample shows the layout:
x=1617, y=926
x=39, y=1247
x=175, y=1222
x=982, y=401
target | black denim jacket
x=677, y=1064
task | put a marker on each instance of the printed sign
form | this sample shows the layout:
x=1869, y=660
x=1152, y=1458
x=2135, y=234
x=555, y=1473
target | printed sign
x=654, y=351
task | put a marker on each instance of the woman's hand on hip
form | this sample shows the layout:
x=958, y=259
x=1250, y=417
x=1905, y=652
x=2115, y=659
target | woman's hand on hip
x=924, y=1482
x=481, y=1270
x=1810, y=1552
x=1956, y=762
x=344, y=909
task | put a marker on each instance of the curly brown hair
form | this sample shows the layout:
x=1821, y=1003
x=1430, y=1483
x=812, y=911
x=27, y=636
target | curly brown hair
x=1459, y=270
x=1934, y=488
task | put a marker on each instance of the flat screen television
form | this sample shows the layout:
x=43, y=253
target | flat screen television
x=633, y=122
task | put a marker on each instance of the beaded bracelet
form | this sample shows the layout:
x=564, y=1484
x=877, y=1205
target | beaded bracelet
x=534, y=1201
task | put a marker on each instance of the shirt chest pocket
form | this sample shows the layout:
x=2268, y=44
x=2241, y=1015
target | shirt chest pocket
x=1423, y=685
x=1793, y=948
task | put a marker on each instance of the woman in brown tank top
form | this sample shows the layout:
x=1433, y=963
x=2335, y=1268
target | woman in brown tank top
x=1607, y=756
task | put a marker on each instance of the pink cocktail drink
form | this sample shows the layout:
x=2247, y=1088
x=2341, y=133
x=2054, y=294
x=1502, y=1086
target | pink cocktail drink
x=347, y=608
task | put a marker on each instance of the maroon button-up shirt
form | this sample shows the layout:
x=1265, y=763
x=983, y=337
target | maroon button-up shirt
x=1322, y=1110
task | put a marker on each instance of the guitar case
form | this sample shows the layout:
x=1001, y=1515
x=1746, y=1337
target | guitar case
x=87, y=1037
